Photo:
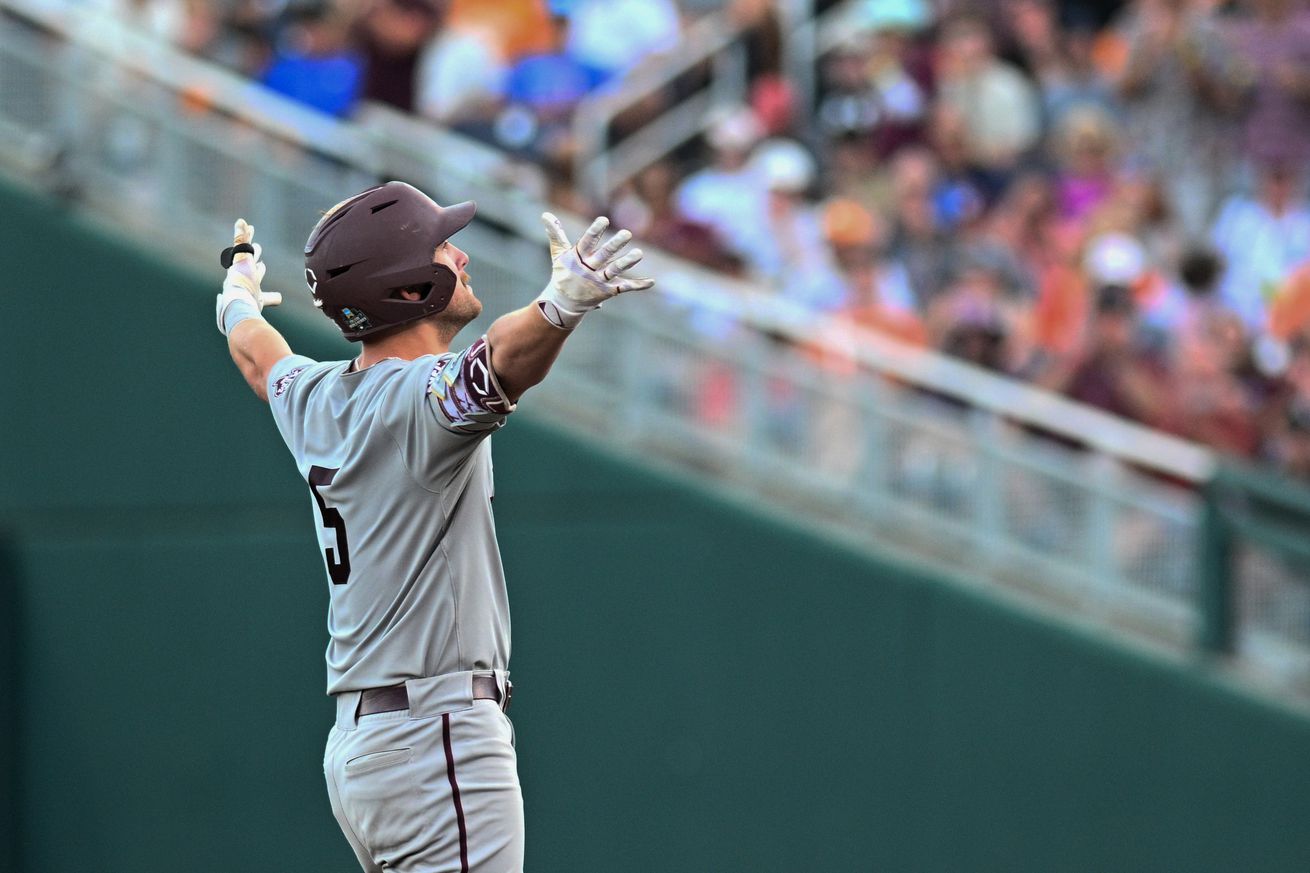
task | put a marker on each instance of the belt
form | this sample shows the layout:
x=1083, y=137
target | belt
x=395, y=697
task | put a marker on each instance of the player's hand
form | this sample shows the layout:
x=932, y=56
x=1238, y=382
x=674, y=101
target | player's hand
x=584, y=276
x=244, y=276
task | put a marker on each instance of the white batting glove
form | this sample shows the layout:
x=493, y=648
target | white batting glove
x=243, y=278
x=584, y=276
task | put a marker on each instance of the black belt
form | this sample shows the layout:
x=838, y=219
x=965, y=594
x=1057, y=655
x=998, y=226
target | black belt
x=395, y=697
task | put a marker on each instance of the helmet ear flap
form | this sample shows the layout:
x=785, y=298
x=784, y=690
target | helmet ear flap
x=443, y=285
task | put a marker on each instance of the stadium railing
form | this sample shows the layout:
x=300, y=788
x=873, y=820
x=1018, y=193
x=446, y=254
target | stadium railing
x=891, y=447
x=709, y=63
x=707, y=71
x=1255, y=571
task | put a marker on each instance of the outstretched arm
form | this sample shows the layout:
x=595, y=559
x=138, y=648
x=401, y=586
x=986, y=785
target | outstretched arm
x=524, y=346
x=254, y=344
x=525, y=343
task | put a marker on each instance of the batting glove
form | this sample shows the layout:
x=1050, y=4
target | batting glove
x=584, y=276
x=241, y=287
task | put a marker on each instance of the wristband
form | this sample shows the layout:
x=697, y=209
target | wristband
x=236, y=312
x=557, y=309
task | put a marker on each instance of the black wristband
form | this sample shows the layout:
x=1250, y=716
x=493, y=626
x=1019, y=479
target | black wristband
x=232, y=251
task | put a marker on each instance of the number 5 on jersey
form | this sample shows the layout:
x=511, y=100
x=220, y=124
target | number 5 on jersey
x=338, y=559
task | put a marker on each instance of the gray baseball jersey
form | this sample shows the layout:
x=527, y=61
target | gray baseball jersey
x=398, y=463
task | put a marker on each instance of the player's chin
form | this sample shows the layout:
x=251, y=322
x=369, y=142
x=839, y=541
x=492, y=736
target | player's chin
x=472, y=305
x=462, y=309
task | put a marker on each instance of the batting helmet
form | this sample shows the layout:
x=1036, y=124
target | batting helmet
x=368, y=249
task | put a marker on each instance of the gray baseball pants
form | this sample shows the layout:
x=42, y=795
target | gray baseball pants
x=429, y=789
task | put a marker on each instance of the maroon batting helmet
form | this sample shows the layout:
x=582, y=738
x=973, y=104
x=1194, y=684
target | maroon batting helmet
x=368, y=249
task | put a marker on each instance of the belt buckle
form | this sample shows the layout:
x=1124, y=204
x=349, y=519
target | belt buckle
x=509, y=694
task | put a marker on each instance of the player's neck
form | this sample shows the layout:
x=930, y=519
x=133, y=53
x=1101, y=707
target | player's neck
x=415, y=341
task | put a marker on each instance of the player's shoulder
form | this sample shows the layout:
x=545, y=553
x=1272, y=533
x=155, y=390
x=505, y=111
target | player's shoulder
x=295, y=371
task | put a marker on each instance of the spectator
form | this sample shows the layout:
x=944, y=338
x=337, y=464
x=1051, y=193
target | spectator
x=313, y=64
x=1062, y=307
x=649, y=212
x=878, y=294
x=1031, y=36
x=1118, y=259
x=974, y=332
x=983, y=316
x=784, y=244
x=726, y=196
x=1287, y=438
x=1025, y=219
x=1214, y=406
x=612, y=37
x=1086, y=146
x=541, y=92
x=1262, y=239
x=918, y=239
x=1176, y=86
x=1274, y=47
x=879, y=85
x=248, y=33
x=963, y=189
x=1289, y=314
x=462, y=79
x=1199, y=271
x=1116, y=373
x=1062, y=62
x=1000, y=107
x=392, y=35
x=851, y=109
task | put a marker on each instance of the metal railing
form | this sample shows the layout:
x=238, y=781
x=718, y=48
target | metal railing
x=1255, y=576
x=877, y=441
x=713, y=51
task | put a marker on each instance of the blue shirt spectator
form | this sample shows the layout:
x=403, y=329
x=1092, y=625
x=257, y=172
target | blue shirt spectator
x=314, y=67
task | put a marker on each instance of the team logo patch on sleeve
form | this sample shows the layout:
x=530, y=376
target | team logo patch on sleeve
x=464, y=389
x=284, y=382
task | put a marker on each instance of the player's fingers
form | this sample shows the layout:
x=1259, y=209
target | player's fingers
x=624, y=285
x=622, y=264
x=271, y=298
x=591, y=240
x=559, y=240
x=613, y=247
x=242, y=233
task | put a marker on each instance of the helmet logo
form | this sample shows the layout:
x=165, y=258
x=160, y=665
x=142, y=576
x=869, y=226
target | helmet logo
x=355, y=319
x=312, y=281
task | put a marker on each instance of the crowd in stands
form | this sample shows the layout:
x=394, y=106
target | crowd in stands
x=1107, y=199
x=1113, y=208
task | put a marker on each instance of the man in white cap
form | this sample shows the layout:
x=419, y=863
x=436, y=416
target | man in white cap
x=725, y=196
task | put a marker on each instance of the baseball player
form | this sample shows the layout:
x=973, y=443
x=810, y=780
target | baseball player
x=420, y=765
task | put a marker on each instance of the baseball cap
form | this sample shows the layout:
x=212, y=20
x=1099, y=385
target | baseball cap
x=784, y=165
x=1114, y=259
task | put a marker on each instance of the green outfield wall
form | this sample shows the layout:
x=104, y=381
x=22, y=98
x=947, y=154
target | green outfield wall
x=698, y=687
